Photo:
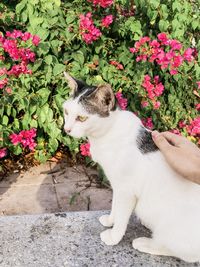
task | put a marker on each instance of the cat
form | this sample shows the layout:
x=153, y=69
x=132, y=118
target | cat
x=142, y=181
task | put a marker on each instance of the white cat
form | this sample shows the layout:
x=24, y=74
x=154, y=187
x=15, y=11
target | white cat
x=142, y=181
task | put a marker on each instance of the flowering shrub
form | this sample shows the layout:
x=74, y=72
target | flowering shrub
x=147, y=50
x=164, y=51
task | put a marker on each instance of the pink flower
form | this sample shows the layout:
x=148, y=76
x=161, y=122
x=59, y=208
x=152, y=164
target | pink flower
x=102, y=3
x=133, y=50
x=173, y=72
x=177, y=61
x=87, y=29
x=148, y=123
x=2, y=58
x=158, y=89
x=3, y=71
x=3, y=152
x=197, y=106
x=154, y=89
x=175, y=45
x=15, y=139
x=21, y=68
x=25, y=137
x=36, y=40
x=156, y=105
x=10, y=46
x=117, y=64
x=181, y=124
x=154, y=43
x=194, y=127
x=15, y=34
x=105, y=22
x=163, y=38
x=3, y=83
x=198, y=84
x=8, y=90
x=164, y=52
x=144, y=104
x=188, y=54
x=85, y=149
x=122, y=101
x=26, y=36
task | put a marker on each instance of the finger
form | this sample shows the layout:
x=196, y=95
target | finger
x=174, y=139
x=161, y=142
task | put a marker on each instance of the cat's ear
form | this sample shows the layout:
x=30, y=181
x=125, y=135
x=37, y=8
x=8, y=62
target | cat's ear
x=106, y=96
x=74, y=84
x=102, y=97
x=71, y=82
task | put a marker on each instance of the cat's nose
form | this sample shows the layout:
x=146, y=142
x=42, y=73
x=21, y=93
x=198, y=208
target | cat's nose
x=67, y=130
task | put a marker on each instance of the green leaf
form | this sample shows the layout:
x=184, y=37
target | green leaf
x=35, y=21
x=42, y=33
x=176, y=6
x=79, y=57
x=17, y=150
x=53, y=145
x=154, y=3
x=5, y=120
x=48, y=59
x=58, y=68
x=57, y=2
x=163, y=25
x=20, y=6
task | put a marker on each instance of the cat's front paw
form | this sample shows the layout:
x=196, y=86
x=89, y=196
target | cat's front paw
x=109, y=238
x=106, y=220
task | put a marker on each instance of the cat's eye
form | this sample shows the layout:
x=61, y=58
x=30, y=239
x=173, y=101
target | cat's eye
x=81, y=118
x=66, y=113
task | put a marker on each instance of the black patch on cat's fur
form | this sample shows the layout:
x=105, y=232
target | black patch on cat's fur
x=81, y=88
x=145, y=142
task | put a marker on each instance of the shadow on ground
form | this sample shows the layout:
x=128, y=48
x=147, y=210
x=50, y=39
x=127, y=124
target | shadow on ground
x=53, y=187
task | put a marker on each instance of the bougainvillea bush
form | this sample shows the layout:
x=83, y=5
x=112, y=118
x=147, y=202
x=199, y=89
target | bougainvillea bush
x=147, y=50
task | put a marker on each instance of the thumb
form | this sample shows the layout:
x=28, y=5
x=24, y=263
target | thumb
x=161, y=141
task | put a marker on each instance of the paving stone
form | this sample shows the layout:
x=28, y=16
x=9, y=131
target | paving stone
x=28, y=199
x=34, y=176
x=52, y=187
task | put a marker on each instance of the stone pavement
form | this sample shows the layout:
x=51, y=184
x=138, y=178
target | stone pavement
x=53, y=187
x=71, y=240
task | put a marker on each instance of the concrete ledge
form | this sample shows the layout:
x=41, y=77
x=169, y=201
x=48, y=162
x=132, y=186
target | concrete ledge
x=71, y=240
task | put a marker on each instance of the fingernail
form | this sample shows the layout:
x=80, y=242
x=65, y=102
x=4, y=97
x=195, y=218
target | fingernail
x=155, y=134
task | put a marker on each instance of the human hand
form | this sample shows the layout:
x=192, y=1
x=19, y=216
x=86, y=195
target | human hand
x=181, y=154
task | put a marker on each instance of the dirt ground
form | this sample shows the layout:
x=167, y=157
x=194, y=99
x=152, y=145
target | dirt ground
x=53, y=187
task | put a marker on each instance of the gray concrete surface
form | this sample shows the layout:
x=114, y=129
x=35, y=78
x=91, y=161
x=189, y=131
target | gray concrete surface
x=71, y=240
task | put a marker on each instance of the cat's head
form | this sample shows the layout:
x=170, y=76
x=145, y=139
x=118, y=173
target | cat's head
x=85, y=109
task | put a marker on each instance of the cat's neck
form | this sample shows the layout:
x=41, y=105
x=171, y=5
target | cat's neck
x=104, y=128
